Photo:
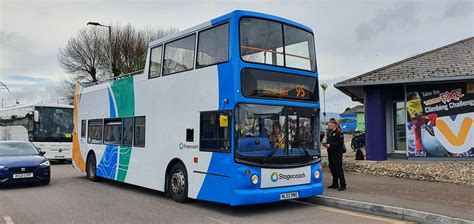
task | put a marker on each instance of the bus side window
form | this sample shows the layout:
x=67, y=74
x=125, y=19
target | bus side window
x=213, y=46
x=139, y=139
x=83, y=128
x=127, y=131
x=112, y=131
x=213, y=137
x=95, y=131
x=155, y=62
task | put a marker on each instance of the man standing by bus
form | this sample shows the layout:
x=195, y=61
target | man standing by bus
x=334, y=145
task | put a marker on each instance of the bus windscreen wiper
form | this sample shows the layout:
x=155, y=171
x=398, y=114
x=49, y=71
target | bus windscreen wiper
x=267, y=158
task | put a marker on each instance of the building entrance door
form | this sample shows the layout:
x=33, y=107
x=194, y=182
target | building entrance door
x=399, y=120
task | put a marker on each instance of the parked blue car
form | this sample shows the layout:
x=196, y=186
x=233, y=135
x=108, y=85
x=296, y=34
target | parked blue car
x=22, y=162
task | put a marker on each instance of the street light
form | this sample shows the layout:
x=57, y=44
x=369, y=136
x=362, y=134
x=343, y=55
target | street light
x=110, y=44
x=324, y=86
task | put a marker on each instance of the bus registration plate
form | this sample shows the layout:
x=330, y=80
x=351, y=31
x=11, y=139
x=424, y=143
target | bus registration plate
x=290, y=195
x=22, y=175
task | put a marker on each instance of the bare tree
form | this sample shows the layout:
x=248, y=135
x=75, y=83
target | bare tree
x=129, y=47
x=82, y=54
x=88, y=55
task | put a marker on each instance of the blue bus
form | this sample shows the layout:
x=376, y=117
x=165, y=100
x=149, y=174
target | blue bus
x=226, y=111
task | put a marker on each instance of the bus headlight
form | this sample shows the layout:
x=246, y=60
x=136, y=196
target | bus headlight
x=254, y=179
x=317, y=174
x=45, y=164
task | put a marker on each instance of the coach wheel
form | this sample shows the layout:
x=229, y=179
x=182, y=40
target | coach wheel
x=178, y=183
x=91, y=169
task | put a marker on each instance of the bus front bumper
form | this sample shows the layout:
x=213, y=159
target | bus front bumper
x=257, y=196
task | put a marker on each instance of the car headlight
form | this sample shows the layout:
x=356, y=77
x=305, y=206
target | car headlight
x=3, y=167
x=317, y=174
x=45, y=164
x=254, y=179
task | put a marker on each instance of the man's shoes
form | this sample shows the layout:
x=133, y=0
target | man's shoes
x=342, y=188
x=333, y=186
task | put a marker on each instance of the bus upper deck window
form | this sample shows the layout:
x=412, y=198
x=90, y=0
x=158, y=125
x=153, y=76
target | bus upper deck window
x=261, y=41
x=213, y=46
x=155, y=62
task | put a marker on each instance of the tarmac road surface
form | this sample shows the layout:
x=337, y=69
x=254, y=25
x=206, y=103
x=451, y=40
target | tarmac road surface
x=71, y=198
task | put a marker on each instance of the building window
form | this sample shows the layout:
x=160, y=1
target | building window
x=139, y=140
x=83, y=128
x=127, y=131
x=95, y=131
x=179, y=55
x=214, y=135
x=155, y=62
x=112, y=131
x=213, y=46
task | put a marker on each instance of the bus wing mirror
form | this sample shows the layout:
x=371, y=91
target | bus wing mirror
x=36, y=116
x=223, y=120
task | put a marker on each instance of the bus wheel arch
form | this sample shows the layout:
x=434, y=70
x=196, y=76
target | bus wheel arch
x=91, y=166
x=177, y=181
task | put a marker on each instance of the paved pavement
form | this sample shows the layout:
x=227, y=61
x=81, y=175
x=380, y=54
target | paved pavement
x=440, y=198
x=71, y=198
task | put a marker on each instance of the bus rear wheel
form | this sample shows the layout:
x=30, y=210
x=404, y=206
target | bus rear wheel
x=91, y=169
x=178, y=183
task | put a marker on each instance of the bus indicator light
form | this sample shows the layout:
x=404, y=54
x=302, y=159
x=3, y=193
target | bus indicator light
x=196, y=160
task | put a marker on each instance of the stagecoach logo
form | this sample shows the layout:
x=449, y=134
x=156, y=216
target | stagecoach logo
x=278, y=176
x=274, y=177
x=185, y=146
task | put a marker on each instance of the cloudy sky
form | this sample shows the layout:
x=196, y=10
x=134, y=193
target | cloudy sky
x=352, y=37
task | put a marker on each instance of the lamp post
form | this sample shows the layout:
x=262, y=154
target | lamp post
x=3, y=86
x=324, y=86
x=110, y=44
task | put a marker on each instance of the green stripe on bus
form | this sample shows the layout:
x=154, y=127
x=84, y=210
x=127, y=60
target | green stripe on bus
x=125, y=100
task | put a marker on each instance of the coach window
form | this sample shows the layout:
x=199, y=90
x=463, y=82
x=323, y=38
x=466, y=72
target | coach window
x=83, y=128
x=213, y=46
x=139, y=139
x=155, y=62
x=179, y=55
x=95, y=131
x=215, y=131
x=112, y=131
x=127, y=131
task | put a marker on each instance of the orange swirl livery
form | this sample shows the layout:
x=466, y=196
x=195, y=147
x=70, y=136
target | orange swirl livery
x=76, y=151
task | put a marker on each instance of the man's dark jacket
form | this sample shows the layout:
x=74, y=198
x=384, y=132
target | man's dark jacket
x=335, y=139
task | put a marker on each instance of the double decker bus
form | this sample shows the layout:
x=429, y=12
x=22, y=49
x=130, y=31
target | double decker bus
x=226, y=111
x=48, y=126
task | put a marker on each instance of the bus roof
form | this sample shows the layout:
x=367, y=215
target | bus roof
x=235, y=13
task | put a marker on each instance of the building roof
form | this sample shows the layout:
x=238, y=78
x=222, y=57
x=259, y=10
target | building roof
x=451, y=62
x=355, y=110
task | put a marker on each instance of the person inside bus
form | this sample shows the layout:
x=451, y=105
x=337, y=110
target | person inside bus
x=334, y=145
x=277, y=137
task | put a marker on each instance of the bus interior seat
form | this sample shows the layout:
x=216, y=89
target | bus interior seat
x=248, y=144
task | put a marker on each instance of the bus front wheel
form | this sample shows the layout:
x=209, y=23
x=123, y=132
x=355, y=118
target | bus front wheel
x=91, y=169
x=178, y=183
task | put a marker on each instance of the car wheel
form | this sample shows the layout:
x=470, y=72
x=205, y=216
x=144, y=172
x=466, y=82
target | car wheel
x=91, y=168
x=178, y=183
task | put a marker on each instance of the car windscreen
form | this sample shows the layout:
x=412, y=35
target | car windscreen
x=17, y=149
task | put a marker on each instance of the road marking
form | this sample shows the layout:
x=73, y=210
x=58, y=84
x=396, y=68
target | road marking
x=216, y=220
x=355, y=214
x=8, y=220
